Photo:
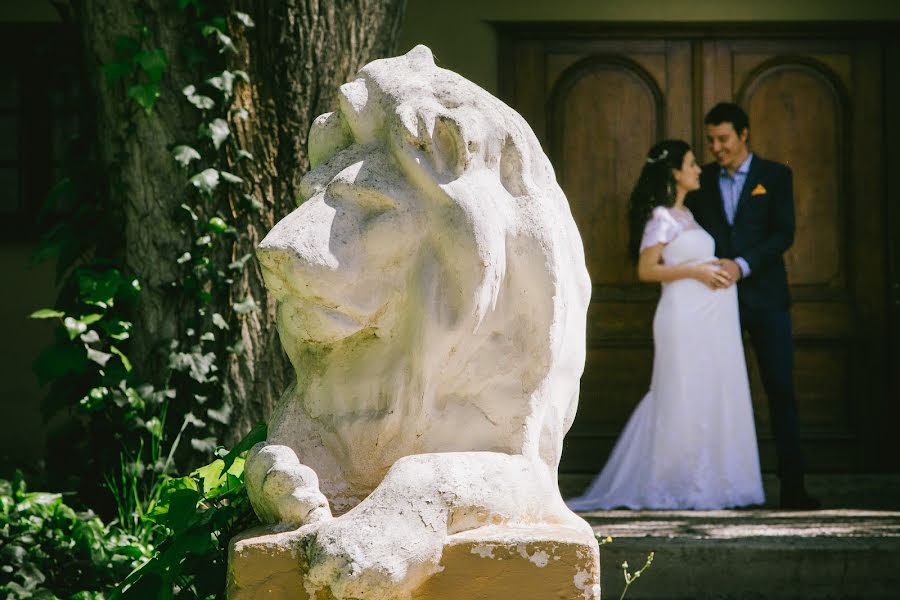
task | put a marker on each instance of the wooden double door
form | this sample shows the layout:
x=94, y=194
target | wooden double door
x=819, y=101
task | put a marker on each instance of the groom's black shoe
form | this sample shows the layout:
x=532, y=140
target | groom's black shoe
x=795, y=497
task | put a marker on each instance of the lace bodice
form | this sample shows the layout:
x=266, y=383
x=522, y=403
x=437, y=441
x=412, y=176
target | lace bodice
x=685, y=241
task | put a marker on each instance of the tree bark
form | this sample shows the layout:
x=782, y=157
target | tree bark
x=296, y=56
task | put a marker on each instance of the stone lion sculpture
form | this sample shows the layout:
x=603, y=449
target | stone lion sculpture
x=432, y=296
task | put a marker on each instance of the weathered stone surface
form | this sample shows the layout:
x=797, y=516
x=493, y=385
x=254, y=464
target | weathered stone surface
x=432, y=297
x=494, y=562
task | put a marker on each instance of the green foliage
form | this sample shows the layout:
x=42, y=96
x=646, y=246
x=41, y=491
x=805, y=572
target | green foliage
x=141, y=67
x=49, y=550
x=184, y=522
x=199, y=515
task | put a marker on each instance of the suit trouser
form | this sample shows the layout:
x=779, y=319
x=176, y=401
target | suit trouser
x=772, y=341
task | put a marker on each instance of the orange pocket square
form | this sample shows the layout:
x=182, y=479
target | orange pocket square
x=759, y=190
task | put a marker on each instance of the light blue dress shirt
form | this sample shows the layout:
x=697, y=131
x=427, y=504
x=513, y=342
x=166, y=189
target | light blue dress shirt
x=731, y=187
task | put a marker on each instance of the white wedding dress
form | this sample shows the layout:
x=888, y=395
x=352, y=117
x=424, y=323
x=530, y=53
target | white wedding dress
x=691, y=442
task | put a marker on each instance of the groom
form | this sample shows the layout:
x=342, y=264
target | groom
x=747, y=204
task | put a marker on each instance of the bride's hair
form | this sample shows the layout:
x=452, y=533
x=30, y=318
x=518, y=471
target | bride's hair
x=655, y=187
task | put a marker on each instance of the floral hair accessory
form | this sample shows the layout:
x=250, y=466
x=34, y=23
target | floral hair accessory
x=662, y=155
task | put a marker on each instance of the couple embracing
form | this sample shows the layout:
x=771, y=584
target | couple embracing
x=715, y=239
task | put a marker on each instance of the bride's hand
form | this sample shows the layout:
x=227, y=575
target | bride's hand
x=712, y=276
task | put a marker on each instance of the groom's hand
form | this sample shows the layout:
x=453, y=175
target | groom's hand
x=731, y=268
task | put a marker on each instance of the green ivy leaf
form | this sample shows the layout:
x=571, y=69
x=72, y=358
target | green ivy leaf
x=217, y=130
x=153, y=62
x=198, y=100
x=90, y=319
x=74, y=327
x=244, y=18
x=218, y=224
x=118, y=330
x=114, y=71
x=46, y=313
x=125, y=362
x=230, y=177
x=240, y=263
x=205, y=445
x=101, y=358
x=145, y=95
x=94, y=400
x=225, y=42
x=243, y=154
x=126, y=47
x=248, y=305
x=222, y=415
x=206, y=181
x=252, y=203
x=101, y=287
x=199, y=366
x=219, y=321
x=190, y=211
x=91, y=337
x=184, y=155
x=224, y=83
x=217, y=27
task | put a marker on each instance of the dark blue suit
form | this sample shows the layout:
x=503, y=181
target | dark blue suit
x=762, y=231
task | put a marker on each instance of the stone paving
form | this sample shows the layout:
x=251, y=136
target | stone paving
x=849, y=551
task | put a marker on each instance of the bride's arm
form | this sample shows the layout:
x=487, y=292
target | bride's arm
x=651, y=268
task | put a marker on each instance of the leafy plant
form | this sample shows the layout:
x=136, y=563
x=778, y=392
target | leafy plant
x=173, y=528
x=49, y=550
x=199, y=514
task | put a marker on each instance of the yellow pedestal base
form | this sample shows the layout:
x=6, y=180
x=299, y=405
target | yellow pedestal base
x=491, y=563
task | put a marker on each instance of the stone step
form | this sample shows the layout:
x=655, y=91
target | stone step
x=850, y=549
x=745, y=554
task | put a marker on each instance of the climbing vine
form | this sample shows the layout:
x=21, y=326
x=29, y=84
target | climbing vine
x=177, y=523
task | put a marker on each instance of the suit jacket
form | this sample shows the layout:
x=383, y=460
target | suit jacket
x=762, y=231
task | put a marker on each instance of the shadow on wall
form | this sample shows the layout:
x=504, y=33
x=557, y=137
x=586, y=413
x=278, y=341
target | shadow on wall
x=28, y=288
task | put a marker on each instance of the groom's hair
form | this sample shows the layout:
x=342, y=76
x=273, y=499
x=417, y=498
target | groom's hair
x=727, y=112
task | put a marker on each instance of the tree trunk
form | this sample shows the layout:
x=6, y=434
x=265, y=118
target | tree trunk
x=296, y=56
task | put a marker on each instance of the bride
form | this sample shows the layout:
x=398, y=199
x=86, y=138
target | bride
x=691, y=442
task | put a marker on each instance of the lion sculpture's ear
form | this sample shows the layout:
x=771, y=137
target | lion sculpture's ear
x=328, y=135
x=435, y=142
x=448, y=147
x=511, y=168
